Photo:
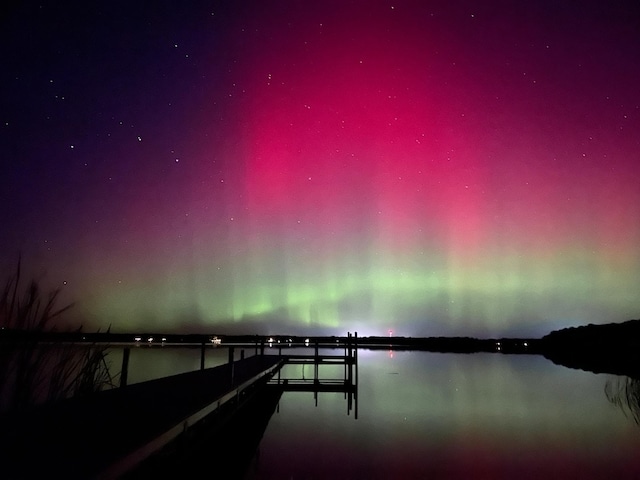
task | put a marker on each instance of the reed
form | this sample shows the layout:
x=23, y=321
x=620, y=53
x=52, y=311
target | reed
x=33, y=371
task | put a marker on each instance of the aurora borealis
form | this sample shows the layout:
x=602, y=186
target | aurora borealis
x=435, y=168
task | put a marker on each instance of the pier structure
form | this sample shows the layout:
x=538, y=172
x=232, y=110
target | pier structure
x=317, y=382
x=112, y=433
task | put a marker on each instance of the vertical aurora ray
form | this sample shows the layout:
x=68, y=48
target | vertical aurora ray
x=439, y=170
x=389, y=198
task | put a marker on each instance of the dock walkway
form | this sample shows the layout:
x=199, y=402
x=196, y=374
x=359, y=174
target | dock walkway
x=107, y=434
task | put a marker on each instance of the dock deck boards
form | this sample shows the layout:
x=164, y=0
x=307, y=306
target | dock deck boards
x=96, y=436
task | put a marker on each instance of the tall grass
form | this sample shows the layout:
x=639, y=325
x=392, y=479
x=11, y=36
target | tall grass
x=32, y=370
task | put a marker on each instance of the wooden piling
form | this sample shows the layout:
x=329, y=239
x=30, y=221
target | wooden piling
x=231, y=353
x=349, y=362
x=231, y=362
x=355, y=358
x=315, y=364
x=124, y=372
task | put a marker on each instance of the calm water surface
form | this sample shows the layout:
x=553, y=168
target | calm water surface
x=147, y=363
x=430, y=415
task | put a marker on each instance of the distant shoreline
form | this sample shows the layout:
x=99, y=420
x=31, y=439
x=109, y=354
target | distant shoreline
x=609, y=348
x=436, y=344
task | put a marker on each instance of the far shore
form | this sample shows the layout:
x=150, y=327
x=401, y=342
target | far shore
x=606, y=348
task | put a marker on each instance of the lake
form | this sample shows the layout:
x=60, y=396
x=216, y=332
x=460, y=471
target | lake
x=435, y=415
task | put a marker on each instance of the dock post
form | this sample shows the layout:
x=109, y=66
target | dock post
x=316, y=365
x=316, y=380
x=355, y=358
x=315, y=374
x=231, y=351
x=124, y=373
x=231, y=359
x=202, y=356
x=262, y=347
x=355, y=389
x=346, y=343
x=242, y=354
x=346, y=356
x=349, y=362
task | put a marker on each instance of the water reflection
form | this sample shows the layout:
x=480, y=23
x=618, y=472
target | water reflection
x=148, y=363
x=434, y=415
x=330, y=373
x=623, y=390
x=429, y=415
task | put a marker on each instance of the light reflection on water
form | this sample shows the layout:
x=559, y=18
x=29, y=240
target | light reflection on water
x=148, y=363
x=433, y=415
x=453, y=416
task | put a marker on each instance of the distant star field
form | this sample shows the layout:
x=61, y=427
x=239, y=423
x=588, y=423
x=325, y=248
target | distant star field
x=434, y=168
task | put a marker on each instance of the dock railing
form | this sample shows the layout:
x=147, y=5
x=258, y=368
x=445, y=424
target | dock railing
x=319, y=360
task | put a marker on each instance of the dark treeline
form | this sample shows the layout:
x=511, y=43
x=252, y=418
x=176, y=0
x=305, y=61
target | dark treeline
x=432, y=344
x=609, y=348
x=608, y=336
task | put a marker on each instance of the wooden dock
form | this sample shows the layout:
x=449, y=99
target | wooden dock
x=225, y=444
x=108, y=434
x=317, y=383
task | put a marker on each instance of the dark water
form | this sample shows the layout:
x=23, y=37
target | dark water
x=149, y=363
x=431, y=415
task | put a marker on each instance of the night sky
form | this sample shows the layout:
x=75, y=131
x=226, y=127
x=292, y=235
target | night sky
x=431, y=167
